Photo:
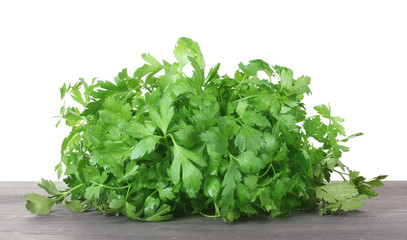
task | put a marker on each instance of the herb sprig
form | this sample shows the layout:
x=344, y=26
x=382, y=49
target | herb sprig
x=160, y=143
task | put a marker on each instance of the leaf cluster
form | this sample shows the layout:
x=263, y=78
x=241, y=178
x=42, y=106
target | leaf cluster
x=160, y=143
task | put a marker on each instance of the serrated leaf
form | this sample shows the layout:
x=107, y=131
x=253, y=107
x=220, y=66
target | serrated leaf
x=249, y=163
x=280, y=188
x=252, y=68
x=118, y=202
x=281, y=154
x=49, y=187
x=76, y=206
x=186, y=48
x=323, y=110
x=229, y=183
x=376, y=182
x=336, y=192
x=153, y=67
x=191, y=175
x=217, y=143
x=353, y=203
x=251, y=181
x=251, y=118
x=265, y=198
x=213, y=72
x=315, y=128
x=93, y=192
x=131, y=169
x=92, y=174
x=153, y=212
x=145, y=146
x=198, y=75
x=366, y=190
x=248, y=138
x=161, y=214
x=63, y=90
x=167, y=193
x=286, y=78
x=130, y=211
x=136, y=129
x=77, y=96
x=38, y=204
x=301, y=85
x=163, y=118
x=58, y=169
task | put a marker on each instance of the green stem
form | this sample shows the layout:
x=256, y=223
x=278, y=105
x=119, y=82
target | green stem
x=239, y=121
x=270, y=167
x=341, y=173
x=241, y=99
x=172, y=138
x=116, y=188
x=65, y=194
x=231, y=157
x=153, y=193
x=128, y=191
x=167, y=144
x=183, y=73
x=217, y=213
x=274, y=171
x=209, y=216
x=74, y=113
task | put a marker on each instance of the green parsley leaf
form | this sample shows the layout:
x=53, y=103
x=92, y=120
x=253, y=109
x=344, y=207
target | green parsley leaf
x=145, y=146
x=49, y=187
x=191, y=175
x=38, y=204
x=248, y=138
x=187, y=48
x=76, y=206
x=163, y=118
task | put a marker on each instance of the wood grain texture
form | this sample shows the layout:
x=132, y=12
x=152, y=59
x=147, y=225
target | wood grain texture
x=384, y=217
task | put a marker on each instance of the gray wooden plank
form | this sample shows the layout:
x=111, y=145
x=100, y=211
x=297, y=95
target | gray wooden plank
x=384, y=217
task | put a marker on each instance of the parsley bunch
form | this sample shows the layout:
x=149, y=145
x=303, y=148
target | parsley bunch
x=160, y=143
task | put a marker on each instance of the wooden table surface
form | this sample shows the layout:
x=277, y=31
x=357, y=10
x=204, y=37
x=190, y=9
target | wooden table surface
x=383, y=217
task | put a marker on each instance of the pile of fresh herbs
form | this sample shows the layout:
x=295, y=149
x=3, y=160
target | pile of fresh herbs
x=160, y=143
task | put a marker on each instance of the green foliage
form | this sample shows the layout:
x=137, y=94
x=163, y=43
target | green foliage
x=160, y=143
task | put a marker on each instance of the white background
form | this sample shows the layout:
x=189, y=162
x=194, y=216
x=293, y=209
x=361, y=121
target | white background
x=354, y=51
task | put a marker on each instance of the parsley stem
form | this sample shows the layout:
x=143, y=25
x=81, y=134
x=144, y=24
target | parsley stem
x=167, y=144
x=209, y=216
x=231, y=157
x=270, y=167
x=341, y=173
x=116, y=188
x=183, y=73
x=172, y=138
x=128, y=191
x=241, y=99
x=65, y=194
x=153, y=193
